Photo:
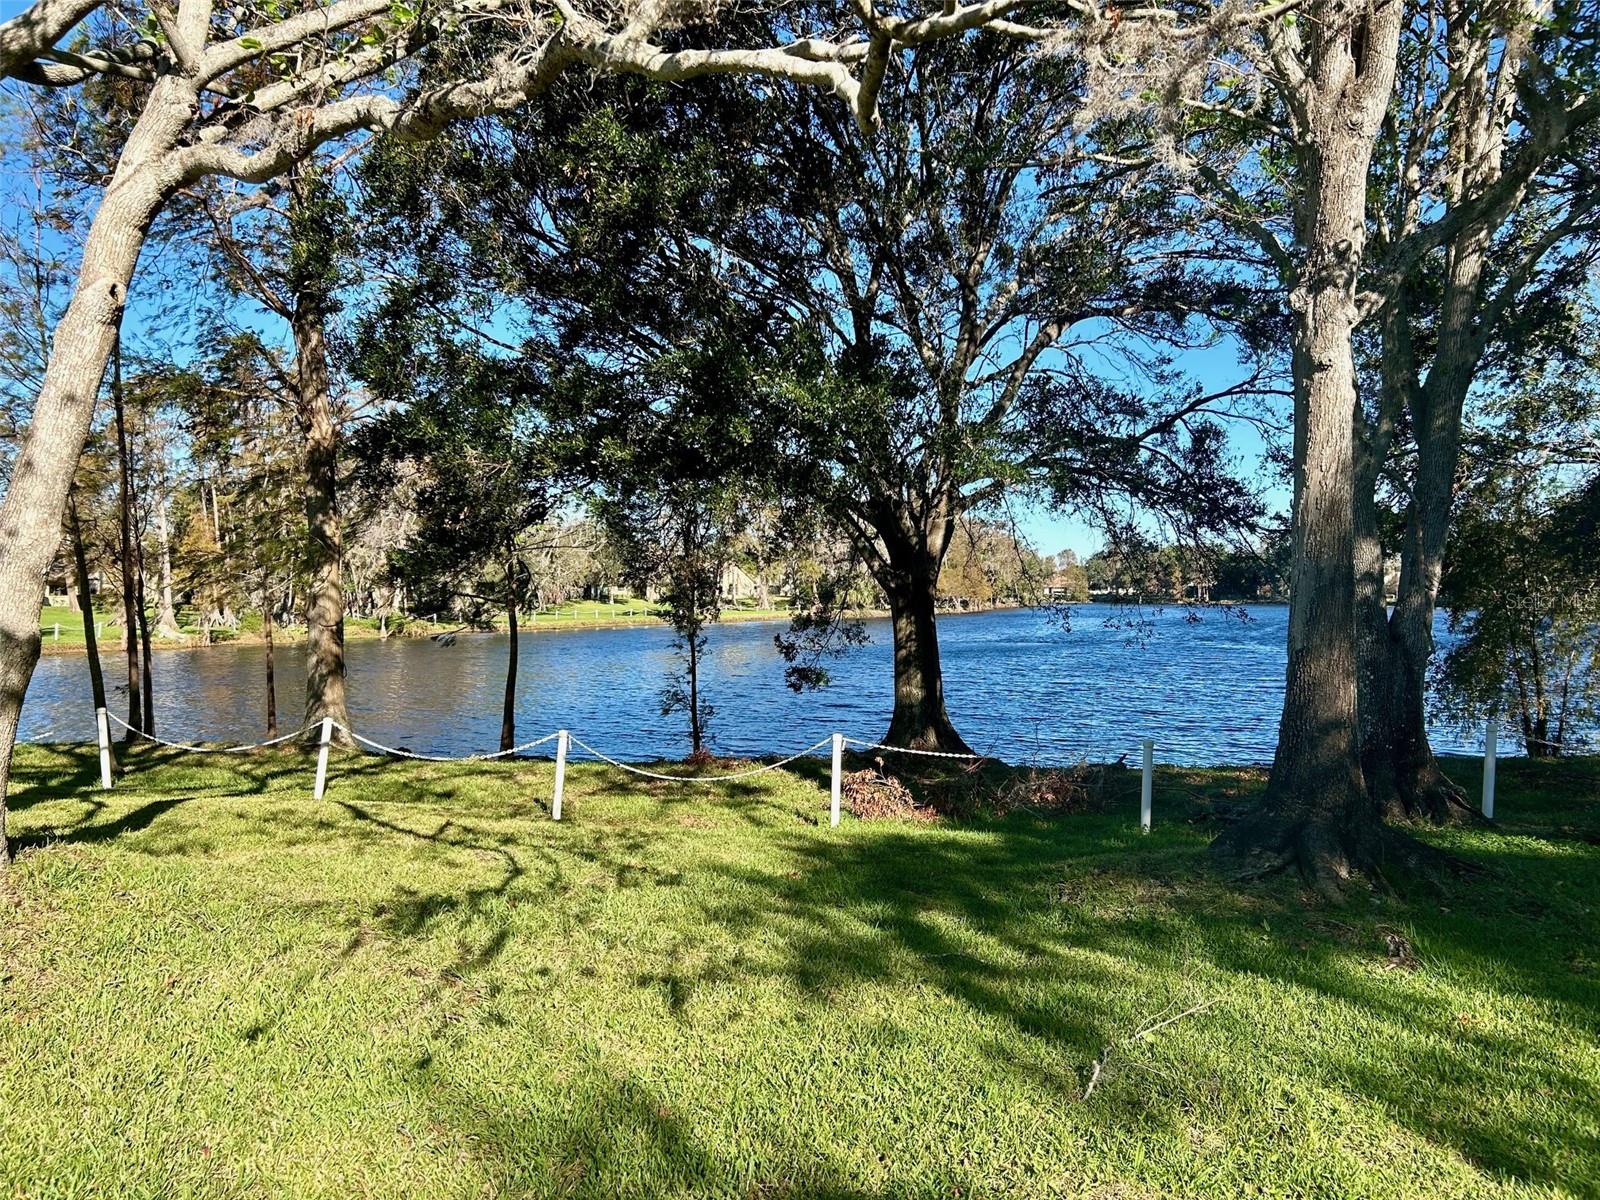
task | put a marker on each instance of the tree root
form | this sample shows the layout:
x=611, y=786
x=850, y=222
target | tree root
x=1332, y=856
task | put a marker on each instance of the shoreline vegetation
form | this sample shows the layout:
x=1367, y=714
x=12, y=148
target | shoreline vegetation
x=581, y=616
x=573, y=617
x=423, y=985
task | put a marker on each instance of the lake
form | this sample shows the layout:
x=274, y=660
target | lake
x=1020, y=684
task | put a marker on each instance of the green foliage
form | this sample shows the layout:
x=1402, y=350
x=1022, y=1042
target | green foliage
x=471, y=448
x=1523, y=589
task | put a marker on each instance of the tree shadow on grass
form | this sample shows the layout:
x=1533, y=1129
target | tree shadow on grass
x=615, y=1136
x=971, y=913
x=88, y=831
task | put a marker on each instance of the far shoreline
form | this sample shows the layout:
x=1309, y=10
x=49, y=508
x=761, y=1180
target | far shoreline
x=549, y=625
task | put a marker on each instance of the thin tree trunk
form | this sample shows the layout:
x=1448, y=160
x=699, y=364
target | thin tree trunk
x=272, y=687
x=167, y=619
x=508, y=713
x=130, y=602
x=697, y=735
x=146, y=682
x=80, y=565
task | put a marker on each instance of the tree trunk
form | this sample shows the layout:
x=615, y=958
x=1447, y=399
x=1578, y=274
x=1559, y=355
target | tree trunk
x=920, y=720
x=697, y=734
x=146, y=682
x=272, y=686
x=167, y=618
x=80, y=565
x=30, y=518
x=325, y=669
x=508, y=713
x=1317, y=813
x=130, y=601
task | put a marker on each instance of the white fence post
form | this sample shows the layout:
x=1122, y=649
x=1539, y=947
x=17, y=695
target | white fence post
x=103, y=725
x=561, y=774
x=1491, y=735
x=1146, y=784
x=838, y=760
x=322, y=759
x=58, y=631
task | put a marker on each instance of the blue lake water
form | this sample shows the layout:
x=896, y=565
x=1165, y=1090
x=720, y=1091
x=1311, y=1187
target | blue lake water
x=1020, y=684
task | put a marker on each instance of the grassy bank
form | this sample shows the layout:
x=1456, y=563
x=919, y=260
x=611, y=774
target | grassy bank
x=214, y=986
x=62, y=628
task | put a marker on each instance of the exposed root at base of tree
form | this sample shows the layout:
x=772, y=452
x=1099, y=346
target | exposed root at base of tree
x=1425, y=795
x=1331, y=856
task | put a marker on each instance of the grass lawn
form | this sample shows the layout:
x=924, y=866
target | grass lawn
x=60, y=626
x=575, y=614
x=214, y=986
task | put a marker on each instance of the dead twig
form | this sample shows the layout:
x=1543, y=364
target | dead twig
x=1143, y=1033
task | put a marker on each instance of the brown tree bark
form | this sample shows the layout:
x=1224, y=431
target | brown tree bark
x=1317, y=813
x=80, y=566
x=130, y=600
x=325, y=666
x=908, y=573
x=508, y=712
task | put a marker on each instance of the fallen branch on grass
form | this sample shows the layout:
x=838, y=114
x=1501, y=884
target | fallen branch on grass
x=1143, y=1033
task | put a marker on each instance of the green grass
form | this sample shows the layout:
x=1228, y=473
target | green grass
x=574, y=614
x=630, y=612
x=421, y=986
x=71, y=622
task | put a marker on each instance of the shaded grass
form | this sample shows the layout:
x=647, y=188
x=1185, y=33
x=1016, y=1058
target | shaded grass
x=422, y=986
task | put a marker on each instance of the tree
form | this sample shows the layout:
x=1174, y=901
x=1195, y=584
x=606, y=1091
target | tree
x=1506, y=167
x=249, y=93
x=471, y=445
x=1524, y=597
x=293, y=263
x=915, y=290
x=1522, y=580
x=684, y=482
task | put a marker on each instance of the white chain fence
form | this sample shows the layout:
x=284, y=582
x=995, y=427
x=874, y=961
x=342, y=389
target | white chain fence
x=200, y=748
x=762, y=770
x=564, y=738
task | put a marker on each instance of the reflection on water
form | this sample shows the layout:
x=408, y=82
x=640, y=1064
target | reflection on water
x=1019, y=685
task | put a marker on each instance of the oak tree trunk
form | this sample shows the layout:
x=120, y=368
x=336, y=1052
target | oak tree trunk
x=1317, y=813
x=910, y=581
